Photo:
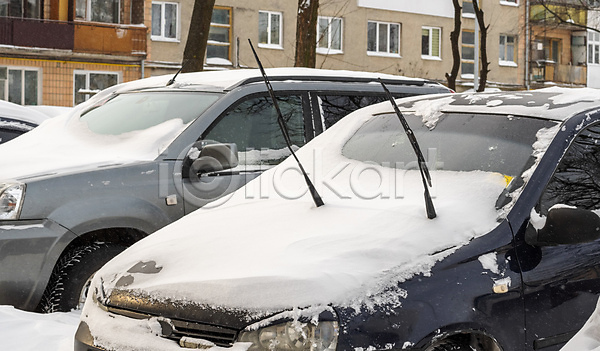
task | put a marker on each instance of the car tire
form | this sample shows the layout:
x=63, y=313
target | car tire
x=72, y=275
x=450, y=345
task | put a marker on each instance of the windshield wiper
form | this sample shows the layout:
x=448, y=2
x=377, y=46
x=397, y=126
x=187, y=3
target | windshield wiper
x=420, y=159
x=313, y=191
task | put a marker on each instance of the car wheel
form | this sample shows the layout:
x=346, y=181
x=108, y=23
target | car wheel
x=72, y=275
x=450, y=345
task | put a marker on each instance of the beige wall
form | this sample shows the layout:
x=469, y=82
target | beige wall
x=508, y=20
x=502, y=19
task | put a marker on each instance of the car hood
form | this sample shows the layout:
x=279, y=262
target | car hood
x=64, y=144
x=267, y=247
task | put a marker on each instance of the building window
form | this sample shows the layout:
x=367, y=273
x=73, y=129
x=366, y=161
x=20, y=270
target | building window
x=269, y=29
x=467, y=9
x=106, y=11
x=430, y=43
x=593, y=47
x=218, y=49
x=20, y=85
x=383, y=38
x=467, y=57
x=507, y=50
x=20, y=8
x=165, y=21
x=86, y=84
x=509, y=2
x=329, y=35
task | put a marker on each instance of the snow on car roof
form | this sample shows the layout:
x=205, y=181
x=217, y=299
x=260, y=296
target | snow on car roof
x=21, y=113
x=230, y=78
x=550, y=103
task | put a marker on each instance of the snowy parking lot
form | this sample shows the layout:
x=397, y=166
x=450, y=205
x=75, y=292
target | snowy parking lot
x=26, y=331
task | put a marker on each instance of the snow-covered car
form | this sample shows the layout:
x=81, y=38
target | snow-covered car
x=16, y=120
x=51, y=111
x=508, y=261
x=79, y=189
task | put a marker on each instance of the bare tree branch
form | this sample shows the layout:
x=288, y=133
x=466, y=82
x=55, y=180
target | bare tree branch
x=454, y=36
x=483, y=29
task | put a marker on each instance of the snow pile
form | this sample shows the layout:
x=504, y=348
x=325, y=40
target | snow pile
x=21, y=113
x=26, y=331
x=66, y=143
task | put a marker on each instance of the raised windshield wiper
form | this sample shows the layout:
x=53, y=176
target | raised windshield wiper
x=420, y=159
x=313, y=191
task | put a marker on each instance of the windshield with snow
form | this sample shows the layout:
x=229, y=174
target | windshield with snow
x=141, y=110
x=458, y=142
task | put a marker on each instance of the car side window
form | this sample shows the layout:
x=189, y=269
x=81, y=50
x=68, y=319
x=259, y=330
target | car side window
x=335, y=107
x=576, y=181
x=252, y=125
x=7, y=134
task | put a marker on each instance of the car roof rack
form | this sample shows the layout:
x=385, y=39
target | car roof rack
x=387, y=81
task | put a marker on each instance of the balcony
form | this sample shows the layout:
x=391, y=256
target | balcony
x=111, y=39
x=80, y=37
x=549, y=71
x=36, y=33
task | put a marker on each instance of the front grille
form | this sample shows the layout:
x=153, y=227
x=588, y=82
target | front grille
x=175, y=329
x=220, y=336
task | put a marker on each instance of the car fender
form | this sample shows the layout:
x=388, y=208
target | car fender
x=86, y=215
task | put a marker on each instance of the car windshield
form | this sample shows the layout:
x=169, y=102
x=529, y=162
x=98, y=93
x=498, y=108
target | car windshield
x=141, y=110
x=458, y=142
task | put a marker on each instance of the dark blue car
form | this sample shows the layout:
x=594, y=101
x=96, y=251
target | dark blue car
x=510, y=261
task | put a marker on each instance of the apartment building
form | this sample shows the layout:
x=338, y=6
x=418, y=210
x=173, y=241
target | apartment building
x=397, y=37
x=59, y=52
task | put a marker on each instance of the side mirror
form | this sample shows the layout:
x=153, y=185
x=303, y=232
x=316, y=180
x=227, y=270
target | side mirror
x=214, y=158
x=565, y=226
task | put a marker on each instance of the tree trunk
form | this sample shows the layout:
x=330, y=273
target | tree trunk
x=306, y=33
x=483, y=72
x=195, y=47
x=454, y=36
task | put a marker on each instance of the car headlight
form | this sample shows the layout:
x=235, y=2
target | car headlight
x=11, y=200
x=293, y=336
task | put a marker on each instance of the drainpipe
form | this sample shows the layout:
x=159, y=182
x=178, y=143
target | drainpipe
x=527, y=46
x=142, y=67
x=476, y=63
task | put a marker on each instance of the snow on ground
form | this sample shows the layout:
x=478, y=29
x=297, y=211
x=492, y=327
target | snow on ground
x=26, y=331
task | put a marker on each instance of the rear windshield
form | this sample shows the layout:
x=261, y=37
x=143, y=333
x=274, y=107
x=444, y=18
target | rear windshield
x=141, y=110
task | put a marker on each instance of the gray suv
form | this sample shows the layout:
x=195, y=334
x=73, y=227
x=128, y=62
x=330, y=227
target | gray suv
x=81, y=188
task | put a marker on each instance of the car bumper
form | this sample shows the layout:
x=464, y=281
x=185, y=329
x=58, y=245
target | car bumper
x=84, y=340
x=28, y=252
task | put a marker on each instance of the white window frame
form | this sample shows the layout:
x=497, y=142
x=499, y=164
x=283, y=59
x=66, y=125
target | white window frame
x=90, y=92
x=514, y=3
x=508, y=63
x=88, y=12
x=593, y=48
x=23, y=69
x=468, y=14
x=162, y=36
x=464, y=60
x=328, y=50
x=213, y=43
x=269, y=44
x=385, y=53
x=430, y=56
